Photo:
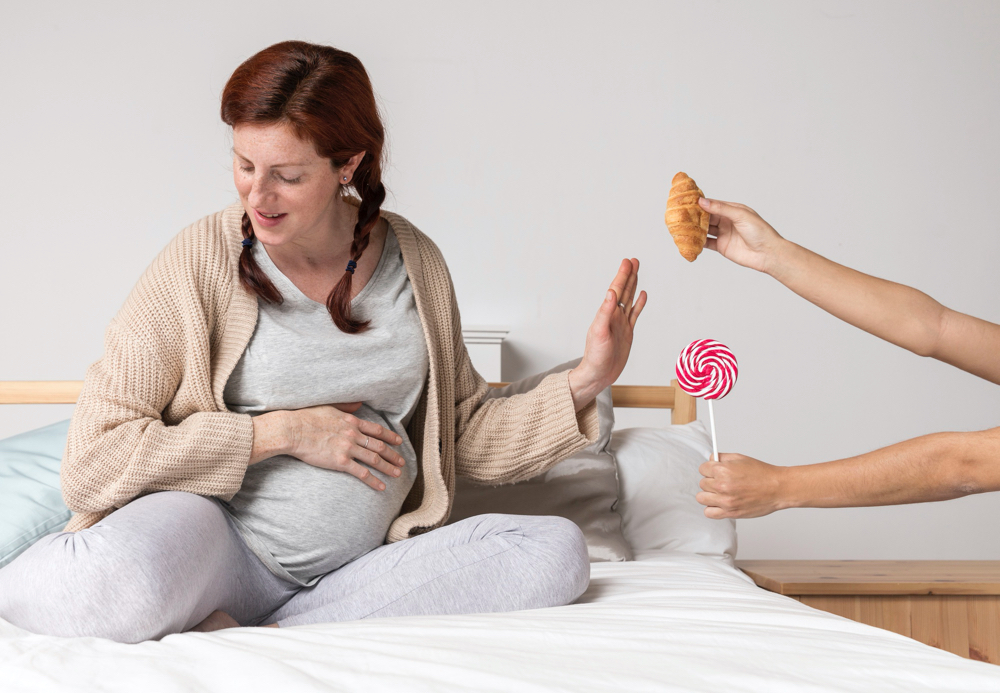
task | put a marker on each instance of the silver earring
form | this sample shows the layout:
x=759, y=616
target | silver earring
x=345, y=179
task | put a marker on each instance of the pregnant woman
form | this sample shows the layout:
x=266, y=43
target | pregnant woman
x=273, y=432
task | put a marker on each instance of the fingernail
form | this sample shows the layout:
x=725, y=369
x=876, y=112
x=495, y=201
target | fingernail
x=381, y=487
x=703, y=202
x=610, y=296
x=395, y=472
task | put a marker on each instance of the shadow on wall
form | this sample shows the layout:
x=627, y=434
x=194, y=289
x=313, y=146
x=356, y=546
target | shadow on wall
x=519, y=360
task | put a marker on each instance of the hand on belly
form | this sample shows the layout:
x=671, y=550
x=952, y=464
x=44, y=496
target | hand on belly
x=330, y=437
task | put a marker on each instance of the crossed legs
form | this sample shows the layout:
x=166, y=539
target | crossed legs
x=167, y=561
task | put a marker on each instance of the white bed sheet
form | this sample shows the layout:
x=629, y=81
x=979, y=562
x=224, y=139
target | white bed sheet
x=666, y=622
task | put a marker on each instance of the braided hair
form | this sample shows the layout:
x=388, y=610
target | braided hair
x=372, y=195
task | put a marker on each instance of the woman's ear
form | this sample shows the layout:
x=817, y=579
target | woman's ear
x=346, y=172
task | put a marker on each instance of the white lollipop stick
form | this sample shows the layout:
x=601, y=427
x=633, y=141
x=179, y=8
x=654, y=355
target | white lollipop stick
x=711, y=420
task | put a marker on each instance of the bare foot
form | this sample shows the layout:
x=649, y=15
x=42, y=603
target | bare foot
x=217, y=620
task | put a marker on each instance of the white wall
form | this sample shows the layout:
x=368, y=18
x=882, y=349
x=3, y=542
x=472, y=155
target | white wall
x=535, y=142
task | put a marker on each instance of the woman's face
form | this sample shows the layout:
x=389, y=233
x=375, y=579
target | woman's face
x=289, y=191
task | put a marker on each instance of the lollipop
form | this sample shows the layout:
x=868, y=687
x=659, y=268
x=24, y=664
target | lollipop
x=707, y=369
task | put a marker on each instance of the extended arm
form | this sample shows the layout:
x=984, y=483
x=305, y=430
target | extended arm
x=935, y=467
x=514, y=438
x=894, y=312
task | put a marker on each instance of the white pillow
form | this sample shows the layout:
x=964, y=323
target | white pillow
x=658, y=481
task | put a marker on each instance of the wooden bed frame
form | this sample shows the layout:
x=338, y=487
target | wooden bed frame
x=682, y=405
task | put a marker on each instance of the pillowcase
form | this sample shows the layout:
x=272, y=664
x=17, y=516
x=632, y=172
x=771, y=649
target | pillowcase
x=658, y=479
x=582, y=488
x=31, y=503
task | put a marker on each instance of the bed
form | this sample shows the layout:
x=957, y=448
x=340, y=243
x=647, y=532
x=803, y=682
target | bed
x=668, y=621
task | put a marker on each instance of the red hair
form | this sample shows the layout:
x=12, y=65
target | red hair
x=325, y=95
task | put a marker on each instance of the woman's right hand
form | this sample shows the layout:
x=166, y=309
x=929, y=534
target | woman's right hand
x=739, y=234
x=330, y=437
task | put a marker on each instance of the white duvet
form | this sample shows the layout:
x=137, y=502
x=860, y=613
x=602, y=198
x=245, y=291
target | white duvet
x=666, y=622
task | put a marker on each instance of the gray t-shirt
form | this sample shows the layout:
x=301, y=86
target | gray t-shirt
x=304, y=521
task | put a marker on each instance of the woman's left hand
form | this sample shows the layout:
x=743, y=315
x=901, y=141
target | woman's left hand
x=609, y=339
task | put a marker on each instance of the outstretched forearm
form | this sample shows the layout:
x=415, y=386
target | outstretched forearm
x=930, y=468
x=894, y=312
x=934, y=467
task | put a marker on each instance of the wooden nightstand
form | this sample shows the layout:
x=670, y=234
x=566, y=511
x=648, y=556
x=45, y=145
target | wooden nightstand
x=953, y=605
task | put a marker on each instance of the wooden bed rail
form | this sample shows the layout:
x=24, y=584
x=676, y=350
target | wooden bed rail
x=40, y=391
x=682, y=405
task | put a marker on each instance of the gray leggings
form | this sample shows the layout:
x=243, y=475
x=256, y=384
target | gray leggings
x=165, y=561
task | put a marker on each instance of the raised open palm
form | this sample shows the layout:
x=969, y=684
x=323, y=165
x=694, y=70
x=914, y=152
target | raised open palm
x=609, y=339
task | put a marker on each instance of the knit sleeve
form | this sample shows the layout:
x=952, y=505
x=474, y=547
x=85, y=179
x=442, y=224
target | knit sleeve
x=146, y=419
x=504, y=440
x=119, y=447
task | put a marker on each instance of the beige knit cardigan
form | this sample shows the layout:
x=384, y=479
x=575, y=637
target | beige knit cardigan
x=151, y=416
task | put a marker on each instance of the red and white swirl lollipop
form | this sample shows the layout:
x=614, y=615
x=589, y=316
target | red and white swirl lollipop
x=707, y=369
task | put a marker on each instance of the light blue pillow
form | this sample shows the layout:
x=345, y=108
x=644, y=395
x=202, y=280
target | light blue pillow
x=31, y=503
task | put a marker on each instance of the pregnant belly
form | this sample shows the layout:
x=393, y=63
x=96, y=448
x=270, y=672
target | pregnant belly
x=311, y=520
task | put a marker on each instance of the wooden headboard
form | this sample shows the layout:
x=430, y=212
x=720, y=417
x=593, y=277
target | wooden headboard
x=682, y=405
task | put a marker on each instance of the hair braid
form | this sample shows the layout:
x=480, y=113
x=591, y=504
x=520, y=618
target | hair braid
x=252, y=276
x=368, y=183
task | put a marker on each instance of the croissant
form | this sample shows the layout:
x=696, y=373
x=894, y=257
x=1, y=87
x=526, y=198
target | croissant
x=688, y=223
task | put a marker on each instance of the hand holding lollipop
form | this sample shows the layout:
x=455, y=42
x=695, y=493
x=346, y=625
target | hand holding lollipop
x=707, y=369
